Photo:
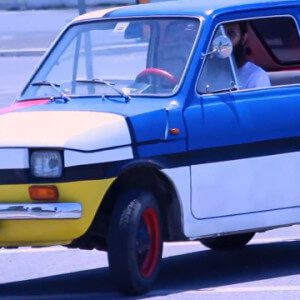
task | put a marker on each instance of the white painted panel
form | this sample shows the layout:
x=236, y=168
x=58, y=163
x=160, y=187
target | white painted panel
x=247, y=222
x=246, y=185
x=181, y=179
x=14, y=159
x=82, y=130
x=75, y=158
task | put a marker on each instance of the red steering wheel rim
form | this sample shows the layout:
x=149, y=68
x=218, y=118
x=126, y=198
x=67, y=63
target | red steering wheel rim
x=157, y=72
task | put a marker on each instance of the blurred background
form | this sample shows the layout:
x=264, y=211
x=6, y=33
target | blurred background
x=28, y=28
x=55, y=4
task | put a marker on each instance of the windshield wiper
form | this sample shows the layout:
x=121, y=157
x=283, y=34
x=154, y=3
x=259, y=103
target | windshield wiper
x=109, y=84
x=55, y=86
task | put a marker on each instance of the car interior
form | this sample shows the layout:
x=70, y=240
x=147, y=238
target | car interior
x=277, y=49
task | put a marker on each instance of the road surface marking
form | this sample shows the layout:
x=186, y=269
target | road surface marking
x=250, y=289
x=28, y=249
x=274, y=240
x=254, y=241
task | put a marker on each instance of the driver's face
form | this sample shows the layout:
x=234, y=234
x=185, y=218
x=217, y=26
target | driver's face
x=234, y=33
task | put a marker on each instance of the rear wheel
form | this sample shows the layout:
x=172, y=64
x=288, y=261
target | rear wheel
x=228, y=242
x=135, y=242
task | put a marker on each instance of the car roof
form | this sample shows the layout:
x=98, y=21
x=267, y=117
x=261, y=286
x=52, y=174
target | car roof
x=197, y=8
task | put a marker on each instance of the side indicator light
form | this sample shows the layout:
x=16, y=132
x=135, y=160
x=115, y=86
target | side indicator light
x=174, y=131
x=43, y=192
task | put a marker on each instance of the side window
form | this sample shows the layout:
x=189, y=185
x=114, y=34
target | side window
x=266, y=53
x=281, y=38
x=278, y=39
x=217, y=73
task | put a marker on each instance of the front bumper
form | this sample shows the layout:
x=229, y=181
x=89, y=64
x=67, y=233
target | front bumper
x=35, y=211
x=50, y=231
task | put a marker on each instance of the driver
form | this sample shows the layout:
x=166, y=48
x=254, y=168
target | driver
x=249, y=75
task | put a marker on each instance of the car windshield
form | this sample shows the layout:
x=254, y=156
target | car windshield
x=137, y=57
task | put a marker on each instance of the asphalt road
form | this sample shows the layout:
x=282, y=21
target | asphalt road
x=267, y=269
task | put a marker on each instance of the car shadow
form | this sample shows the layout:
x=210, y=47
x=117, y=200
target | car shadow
x=197, y=270
x=210, y=269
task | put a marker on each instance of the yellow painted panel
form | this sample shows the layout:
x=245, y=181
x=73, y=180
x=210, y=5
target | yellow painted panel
x=49, y=232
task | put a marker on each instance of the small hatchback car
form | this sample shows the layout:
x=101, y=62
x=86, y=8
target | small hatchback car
x=157, y=122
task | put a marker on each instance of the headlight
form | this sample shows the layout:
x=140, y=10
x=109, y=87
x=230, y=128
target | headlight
x=46, y=164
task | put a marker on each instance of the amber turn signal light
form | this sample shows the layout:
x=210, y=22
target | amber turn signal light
x=43, y=192
x=174, y=131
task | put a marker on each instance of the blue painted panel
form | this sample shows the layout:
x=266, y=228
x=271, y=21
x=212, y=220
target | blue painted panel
x=149, y=126
x=269, y=114
x=134, y=107
x=198, y=7
x=154, y=129
x=175, y=121
x=161, y=148
x=213, y=123
x=244, y=117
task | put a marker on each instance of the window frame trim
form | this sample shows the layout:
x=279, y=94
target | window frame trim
x=210, y=41
x=52, y=48
x=231, y=62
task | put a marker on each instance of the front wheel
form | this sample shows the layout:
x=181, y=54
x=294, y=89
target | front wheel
x=135, y=242
x=228, y=242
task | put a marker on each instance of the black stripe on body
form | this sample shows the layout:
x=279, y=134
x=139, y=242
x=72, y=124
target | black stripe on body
x=204, y=156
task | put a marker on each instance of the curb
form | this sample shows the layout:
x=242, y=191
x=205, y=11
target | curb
x=22, y=52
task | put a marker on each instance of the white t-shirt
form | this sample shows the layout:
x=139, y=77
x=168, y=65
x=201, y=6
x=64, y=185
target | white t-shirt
x=251, y=76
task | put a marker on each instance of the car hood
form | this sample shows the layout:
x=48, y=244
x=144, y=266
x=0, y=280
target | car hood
x=89, y=124
x=80, y=130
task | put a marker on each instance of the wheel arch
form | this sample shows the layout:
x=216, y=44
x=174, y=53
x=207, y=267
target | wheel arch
x=146, y=176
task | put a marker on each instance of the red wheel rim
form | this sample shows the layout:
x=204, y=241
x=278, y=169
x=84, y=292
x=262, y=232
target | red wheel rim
x=151, y=221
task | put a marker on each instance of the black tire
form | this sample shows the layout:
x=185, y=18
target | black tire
x=228, y=242
x=135, y=242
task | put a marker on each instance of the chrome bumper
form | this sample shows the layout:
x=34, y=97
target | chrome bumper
x=33, y=211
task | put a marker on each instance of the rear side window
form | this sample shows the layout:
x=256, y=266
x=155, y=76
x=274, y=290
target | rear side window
x=280, y=37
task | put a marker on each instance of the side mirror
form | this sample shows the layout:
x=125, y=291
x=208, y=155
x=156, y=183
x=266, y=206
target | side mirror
x=221, y=47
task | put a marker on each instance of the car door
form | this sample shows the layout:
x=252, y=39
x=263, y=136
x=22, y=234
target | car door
x=244, y=144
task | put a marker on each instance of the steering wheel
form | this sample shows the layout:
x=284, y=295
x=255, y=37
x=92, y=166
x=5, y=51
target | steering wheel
x=142, y=77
